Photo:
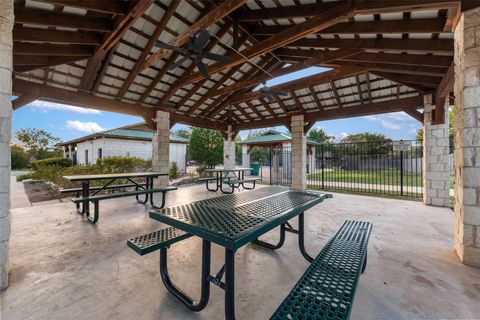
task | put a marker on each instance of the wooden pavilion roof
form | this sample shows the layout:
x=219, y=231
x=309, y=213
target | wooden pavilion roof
x=383, y=56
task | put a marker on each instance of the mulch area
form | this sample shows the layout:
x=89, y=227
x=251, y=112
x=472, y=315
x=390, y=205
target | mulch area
x=38, y=191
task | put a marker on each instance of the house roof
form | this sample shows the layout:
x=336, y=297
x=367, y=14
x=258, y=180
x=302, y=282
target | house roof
x=272, y=136
x=127, y=132
x=383, y=55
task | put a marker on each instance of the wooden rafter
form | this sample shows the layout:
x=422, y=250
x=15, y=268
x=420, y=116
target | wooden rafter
x=56, y=36
x=335, y=92
x=205, y=21
x=400, y=59
x=296, y=101
x=122, y=24
x=413, y=112
x=319, y=78
x=292, y=34
x=104, y=6
x=146, y=50
x=23, y=100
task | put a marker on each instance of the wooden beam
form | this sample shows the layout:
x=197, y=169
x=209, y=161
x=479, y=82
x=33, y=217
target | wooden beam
x=29, y=49
x=395, y=105
x=44, y=61
x=438, y=114
x=56, y=36
x=400, y=59
x=55, y=19
x=324, y=77
x=23, y=100
x=328, y=18
x=318, y=58
x=197, y=122
x=453, y=16
x=395, y=68
x=446, y=85
x=312, y=10
x=215, y=15
x=414, y=79
x=85, y=100
x=308, y=126
x=146, y=50
x=401, y=45
x=122, y=24
x=432, y=25
x=103, y=6
x=414, y=114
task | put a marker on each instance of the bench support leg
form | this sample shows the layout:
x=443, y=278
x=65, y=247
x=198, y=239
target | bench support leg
x=249, y=188
x=205, y=282
x=267, y=245
x=96, y=209
x=229, y=284
x=364, y=266
x=161, y=205
x=301, y=237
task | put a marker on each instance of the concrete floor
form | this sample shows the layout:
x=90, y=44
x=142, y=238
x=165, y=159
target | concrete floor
x=65, y=268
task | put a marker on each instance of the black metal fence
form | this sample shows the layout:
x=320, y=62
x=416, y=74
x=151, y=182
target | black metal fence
x=371, y=167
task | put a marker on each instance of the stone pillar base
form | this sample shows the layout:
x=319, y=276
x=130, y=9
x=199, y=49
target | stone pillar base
x=161, y=148
x=299, y=154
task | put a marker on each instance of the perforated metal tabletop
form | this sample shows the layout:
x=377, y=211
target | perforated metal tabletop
x=235, y=220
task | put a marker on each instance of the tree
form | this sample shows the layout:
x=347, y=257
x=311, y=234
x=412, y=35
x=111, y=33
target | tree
x=206, y=146
x=367, y=143
x=39, y=143
x=19, y=157
x=258, y=154
x=185, y=133
x=319, y=135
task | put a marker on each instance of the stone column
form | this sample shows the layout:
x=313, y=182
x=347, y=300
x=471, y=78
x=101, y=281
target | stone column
x=6, y=45
x=161, y=147
x=299, y=154
x=245, y=158
x=467, y=138
x=229, y=149
x=436, y=173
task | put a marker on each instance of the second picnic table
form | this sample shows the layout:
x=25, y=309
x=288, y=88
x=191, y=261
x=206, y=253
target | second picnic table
x=84, y=195
x=234, y=177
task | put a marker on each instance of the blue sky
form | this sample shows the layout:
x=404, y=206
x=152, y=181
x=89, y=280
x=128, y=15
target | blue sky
x=69, y=122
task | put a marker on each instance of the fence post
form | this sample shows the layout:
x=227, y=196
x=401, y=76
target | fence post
x=323, y=166
x=401, y=173
x=270, y=175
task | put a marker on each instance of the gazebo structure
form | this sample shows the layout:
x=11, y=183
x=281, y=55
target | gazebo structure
x=385, y=56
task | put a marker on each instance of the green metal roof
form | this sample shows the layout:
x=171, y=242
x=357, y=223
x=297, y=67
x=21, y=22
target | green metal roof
x=272, y=136
x=122, y=133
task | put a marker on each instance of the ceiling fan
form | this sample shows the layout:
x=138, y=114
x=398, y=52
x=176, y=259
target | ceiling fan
x=269, y=93
x=194, y=50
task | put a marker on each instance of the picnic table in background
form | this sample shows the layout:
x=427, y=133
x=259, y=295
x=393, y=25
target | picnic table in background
x=230, y=221
x=234, y=177
x=84, y=195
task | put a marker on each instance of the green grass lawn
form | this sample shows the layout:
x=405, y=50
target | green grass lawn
x=384, y=177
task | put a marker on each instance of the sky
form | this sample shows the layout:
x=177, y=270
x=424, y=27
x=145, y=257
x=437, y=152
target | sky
x=70, y=122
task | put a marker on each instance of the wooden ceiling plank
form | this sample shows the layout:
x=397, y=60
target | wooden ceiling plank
x=103, y=6
x=29, y=49
x=205, y=21
x=56, y=36
x=328, y=18
x=401, y=59
x=64, y=20
x=148, y=47
x=122, y=24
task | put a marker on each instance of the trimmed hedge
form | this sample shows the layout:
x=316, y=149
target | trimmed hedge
x=52, y=162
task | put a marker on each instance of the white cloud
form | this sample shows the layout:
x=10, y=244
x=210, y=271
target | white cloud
x=385, y=123
x=46, y=106
x=342, y=135
x=87, y=127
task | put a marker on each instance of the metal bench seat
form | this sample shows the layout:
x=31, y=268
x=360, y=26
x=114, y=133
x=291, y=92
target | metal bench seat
x=207, y=179
x=242, y=181
x=327, y=289
x=115, y=186
x=154, y=241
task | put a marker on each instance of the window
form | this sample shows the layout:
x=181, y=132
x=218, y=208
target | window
x=100, y=153
x=86, y=156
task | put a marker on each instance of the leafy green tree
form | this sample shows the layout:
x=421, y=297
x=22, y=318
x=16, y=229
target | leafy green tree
x=184, y=133
x=367, y=143
x=258, y=154
x=319, y=135
x=206, y=146
x=19, y=157
x=39, y=144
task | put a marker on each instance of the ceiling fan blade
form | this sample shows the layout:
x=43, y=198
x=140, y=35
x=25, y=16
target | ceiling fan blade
x=178, y=63
x=202, y=40
x=269, y=97
x=216, y=57
x=169, y=47
x=201, y=67
x=278, y=93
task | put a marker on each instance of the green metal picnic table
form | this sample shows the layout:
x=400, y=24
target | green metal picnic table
x=146, y=188
x=223, y=174
x=233, y=221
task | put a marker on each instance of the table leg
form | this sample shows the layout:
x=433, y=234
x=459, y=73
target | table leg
x=301, y=237
x=267, y=245
x=229, y=284
x=86, y=194
x=205, y=280
x=148, y=181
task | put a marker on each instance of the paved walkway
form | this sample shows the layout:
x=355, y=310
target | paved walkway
x=65, y=268
x=18, y=197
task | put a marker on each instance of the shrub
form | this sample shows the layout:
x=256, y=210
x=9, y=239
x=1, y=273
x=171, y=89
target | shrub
x=174, y=172
x=52, y=162
x=22, y=177
x=19, y=157
x=123, y=164
x=201, y=170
